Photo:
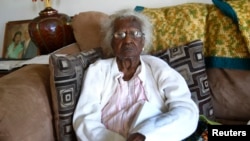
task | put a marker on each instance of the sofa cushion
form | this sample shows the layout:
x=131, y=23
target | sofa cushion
x=25, y=112
x=188, y=60
x=66, y=75
x=87, y=29
x=231, y=94
x=176, y=25
x=69, y=49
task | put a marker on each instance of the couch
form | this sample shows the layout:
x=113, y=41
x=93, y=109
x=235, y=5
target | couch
x=205, y=45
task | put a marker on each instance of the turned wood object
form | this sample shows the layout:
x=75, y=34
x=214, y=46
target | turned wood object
x=51, y=30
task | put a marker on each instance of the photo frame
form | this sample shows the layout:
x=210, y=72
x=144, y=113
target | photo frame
x=24, y=48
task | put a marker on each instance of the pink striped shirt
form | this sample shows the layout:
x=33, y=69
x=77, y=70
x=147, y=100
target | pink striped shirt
x=119, y=112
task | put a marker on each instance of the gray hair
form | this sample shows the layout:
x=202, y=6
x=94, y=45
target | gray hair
x=146, y=27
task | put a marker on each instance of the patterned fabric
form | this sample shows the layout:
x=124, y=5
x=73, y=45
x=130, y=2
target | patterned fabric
x=219, y=43
x=226, y=9
x=226, y=43
x=188, y=60
x=242, y=9
x=66, y=81
x=176, y=25
x=120, y=111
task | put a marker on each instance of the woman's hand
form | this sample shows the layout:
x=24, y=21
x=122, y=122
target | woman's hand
x=136, y=137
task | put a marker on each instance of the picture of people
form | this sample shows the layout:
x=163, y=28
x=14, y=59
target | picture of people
x=17, y=41
x=29, y=48
x=15, y=49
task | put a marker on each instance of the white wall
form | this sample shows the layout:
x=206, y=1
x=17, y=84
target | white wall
x=14, y=10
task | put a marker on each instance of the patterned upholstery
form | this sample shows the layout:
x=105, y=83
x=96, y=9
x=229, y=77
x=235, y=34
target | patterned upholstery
x=218, y=41
x=189, y=61
x=176, y=25
x=226, y=43
x=66, y=81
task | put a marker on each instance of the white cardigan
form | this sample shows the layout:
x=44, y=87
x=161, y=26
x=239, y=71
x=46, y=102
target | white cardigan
x=165, y=88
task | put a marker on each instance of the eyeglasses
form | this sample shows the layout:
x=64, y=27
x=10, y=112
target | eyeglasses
x=132, y=34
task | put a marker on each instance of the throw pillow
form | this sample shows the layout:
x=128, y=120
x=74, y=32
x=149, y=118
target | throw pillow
x=188, y=60
x=66, y=81
x=180, y=23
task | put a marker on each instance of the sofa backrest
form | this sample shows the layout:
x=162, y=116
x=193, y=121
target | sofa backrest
x=87, y=29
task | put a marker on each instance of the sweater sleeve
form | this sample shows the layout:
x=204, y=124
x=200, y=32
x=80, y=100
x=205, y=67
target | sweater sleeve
x=87, y=117
x=182, y=115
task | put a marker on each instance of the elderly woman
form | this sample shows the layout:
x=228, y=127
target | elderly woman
x=133, y=97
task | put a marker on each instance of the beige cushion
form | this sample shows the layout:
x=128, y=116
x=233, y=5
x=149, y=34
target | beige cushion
x=25, y=112
x=87, y=29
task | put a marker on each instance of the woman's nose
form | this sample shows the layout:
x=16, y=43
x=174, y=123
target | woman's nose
x=128, y=38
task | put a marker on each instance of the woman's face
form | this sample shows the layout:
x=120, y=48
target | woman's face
x=128, y=40
x=17, y=38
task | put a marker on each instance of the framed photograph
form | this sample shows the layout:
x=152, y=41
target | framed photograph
x=17, y=43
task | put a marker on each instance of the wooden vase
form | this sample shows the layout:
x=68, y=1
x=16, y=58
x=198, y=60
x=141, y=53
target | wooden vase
x=51, y=30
